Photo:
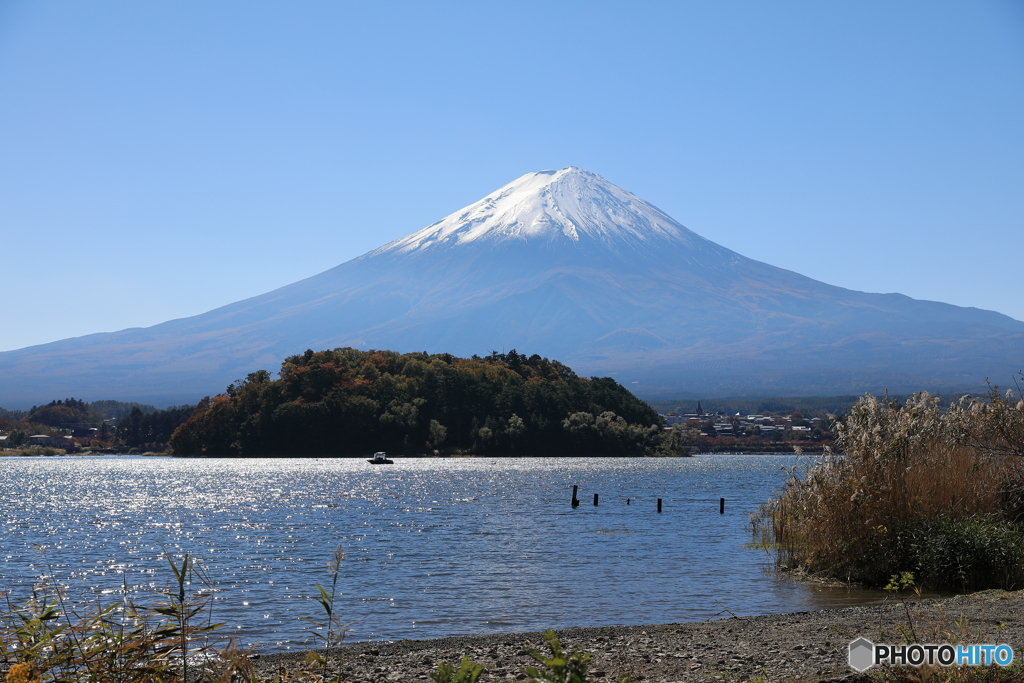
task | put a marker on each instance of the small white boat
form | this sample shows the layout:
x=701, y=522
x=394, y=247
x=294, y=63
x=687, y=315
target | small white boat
x=380, y=458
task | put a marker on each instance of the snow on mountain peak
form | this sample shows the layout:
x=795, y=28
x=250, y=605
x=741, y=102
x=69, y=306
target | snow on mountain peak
x=569, y=205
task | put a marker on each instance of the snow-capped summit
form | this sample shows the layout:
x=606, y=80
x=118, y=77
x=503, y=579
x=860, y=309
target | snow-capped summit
x=566, y=265
x=566, y=206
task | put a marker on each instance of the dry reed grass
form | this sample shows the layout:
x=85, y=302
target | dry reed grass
x=915, y=489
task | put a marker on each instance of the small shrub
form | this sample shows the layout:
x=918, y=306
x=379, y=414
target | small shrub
x=962, y=553
x=468, y=672
x=559, y=668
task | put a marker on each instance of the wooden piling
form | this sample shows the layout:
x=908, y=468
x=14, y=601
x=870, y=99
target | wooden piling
x=595, y=500
x=659, y=505
x=575, y=500
x=721, y=506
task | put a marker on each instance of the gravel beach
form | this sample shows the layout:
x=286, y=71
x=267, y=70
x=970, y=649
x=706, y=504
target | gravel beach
x=801, y=646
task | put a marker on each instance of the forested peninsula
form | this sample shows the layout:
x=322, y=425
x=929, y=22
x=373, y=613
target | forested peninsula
x=347, y=401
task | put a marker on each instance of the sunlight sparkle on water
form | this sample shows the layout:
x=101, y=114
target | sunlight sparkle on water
x=434, y=547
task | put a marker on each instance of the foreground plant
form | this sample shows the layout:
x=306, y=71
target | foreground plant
x=22, y=673
x=334, y=631
x=182, y=610
x=901, y=582
x=47, y=640
x=559, y=668
x=468, y=672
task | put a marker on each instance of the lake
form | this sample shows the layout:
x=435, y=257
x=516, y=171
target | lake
x=434, y=546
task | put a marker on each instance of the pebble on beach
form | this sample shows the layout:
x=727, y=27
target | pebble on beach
x=803, y=646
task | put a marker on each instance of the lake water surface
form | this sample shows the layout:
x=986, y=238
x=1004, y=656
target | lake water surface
x=434, y=547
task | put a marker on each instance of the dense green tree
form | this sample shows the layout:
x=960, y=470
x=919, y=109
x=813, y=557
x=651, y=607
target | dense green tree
x=12, y=415
x=154, y=429
x=129, y=428
x=677, y=442
x=119, y=409
x=65, y=414
x=438, y=433
x=350, y=401
x=17, y=437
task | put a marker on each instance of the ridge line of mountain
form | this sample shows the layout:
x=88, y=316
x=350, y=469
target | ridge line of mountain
x=569, y=266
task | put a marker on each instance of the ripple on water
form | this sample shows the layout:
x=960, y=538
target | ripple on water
x=434, y=546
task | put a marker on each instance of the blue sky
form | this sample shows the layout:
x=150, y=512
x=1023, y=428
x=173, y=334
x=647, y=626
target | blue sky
x=158, y=160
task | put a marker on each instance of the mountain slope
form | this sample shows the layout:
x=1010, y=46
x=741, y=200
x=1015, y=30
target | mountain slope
x=567, y=265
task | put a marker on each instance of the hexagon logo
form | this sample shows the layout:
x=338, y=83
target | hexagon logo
x=862, y=654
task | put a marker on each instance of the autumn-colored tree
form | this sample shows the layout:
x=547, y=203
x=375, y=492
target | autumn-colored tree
x=350, y=401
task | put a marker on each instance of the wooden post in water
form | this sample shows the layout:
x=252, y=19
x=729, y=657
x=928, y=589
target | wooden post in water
x=627, y=501
x=659, y=505
x=721, y=506
x=575, y=500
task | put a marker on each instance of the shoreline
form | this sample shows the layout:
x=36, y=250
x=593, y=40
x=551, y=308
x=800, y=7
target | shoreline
x=796, y=646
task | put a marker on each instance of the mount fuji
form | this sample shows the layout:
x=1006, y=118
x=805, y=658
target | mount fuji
x=567, y=265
